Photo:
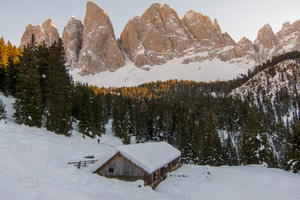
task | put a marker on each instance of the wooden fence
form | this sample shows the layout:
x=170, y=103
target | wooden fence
x=83, y=163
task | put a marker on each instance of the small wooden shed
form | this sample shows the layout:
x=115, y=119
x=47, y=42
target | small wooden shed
x=146, y=161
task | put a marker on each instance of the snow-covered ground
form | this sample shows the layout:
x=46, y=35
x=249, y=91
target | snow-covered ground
x=130, y=75
x=231, y=183
x=33, y=166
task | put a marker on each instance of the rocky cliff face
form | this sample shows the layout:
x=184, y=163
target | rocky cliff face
x=47, y=32
x=72, y=40
x=269, y=44
x=159, y=35
x=266, y=43
x=156, y=37
x=208, y=34
x=289, y=37
x=100, y=50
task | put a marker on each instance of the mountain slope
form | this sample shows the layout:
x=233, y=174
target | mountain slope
x=130, y=75
x=284, y=76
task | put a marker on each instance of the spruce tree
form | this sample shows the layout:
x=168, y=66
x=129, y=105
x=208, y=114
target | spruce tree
x=11, y=78
x=230, y=154
x=28, y=105
x=216, y=141
x=100, y=116
x=86, y=119
x=197, y=142
x=254, y=146
x=212, y=149
x=58, y=91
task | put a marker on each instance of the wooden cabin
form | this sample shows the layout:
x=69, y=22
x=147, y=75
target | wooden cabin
x=146, y=161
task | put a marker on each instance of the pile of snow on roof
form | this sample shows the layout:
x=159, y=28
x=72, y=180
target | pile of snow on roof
x=149, y=156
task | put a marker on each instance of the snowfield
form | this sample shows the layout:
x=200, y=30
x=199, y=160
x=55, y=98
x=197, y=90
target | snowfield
x=130, y=75
x=243, y=182
x=34, y=167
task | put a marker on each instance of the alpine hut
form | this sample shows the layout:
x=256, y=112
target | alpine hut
x=145, y=161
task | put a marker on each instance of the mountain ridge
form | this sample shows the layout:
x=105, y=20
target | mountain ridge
x=159, y=36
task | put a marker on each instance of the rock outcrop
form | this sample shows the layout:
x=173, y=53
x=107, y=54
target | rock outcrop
x=289, y=37
x=100, y=51
x=47, y=32
x=159, y=35
x=269, y=44
x=266, y=43
x=208, y=34
x=72, y=40
x=156, y=37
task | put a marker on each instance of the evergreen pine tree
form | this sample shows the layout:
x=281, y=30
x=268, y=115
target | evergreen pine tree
x=100, y=118
x=59, y=91
x=11, y=78
x=254, y=147
x=28, y=105
x=197, y=142
x=86, y=119
x=212, y=149
x=230, y=153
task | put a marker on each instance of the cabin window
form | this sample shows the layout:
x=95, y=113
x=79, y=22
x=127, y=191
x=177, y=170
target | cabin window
x=111, y=168
x=126, y=168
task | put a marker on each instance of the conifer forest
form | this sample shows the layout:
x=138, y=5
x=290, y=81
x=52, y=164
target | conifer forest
x=216, y=123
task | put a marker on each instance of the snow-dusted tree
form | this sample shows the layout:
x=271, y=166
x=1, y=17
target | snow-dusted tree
x=230, y=154
x=212, y=148
x=2, y=110
x=254, y=147
x=294, y=149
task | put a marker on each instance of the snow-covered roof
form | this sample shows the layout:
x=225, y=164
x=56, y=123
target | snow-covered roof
x=149, y=156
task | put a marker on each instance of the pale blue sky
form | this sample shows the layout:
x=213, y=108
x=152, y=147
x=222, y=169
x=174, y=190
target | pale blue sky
x=237, y=17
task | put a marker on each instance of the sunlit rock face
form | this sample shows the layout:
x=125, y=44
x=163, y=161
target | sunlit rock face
x=72, y=40
x=155, y=37
x=100, y=51
x=46, y=33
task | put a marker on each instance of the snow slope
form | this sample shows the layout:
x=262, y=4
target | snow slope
x=34, y=167
x=231, y=183
x=130, y=75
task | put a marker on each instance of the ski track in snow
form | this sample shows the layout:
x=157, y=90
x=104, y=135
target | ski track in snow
x=34, y=167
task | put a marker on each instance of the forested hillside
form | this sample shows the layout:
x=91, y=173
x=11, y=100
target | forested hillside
x=249, y=120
